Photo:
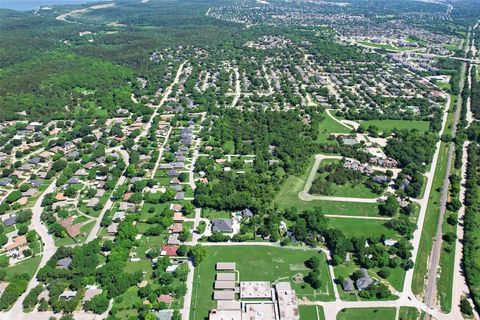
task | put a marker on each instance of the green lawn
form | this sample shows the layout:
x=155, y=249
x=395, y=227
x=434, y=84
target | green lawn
x=388, y=125
x=311, y=313
x=288, y=197
x=408, y=313
x=256, y=263
x=447, y=262
x=367, y=314
x=430, y=223
x=329, y=126
x=362, y=227
x=28, y=266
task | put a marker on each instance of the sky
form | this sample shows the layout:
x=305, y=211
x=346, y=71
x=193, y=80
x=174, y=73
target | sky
x=23, y=5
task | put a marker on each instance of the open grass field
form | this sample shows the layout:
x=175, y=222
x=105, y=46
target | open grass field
x=362, y=227
x=311, y=313
x=288, y=197
x=367, y=314
x=329, y=126
x=409, y=313
x=447, y=262
x=430, y=223
x=388, y=125
x=256, y=263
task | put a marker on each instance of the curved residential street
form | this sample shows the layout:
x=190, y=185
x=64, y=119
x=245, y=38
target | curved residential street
x=48, y=250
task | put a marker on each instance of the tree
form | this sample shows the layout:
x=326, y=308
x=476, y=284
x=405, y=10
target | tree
x=313, y=262
x=182, y=250
x=465, y=307
x=197, y=254
x=98, y=304
x=313, y=278
x=384, y=273
x=390, y=207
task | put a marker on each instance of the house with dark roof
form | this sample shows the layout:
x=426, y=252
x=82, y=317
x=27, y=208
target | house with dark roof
x=64, y=263
x=246, y=213
x=222, y=225
x=347, y=285
x=10, y=221
x=34, y=160
x=365, y=281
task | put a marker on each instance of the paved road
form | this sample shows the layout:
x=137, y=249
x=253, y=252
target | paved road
x=160, y=154
x=431, y=290
x=237, y=89
x=328, y=111
x=417, y=234
x=48, y=246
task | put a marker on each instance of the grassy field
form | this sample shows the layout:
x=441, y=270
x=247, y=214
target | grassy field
x=447, y=262
x=367, y=314
x=388, y=125
x=288, y=197
x=362, y=227
x=311, y=313
x=329, y=126
x=409, y=313
x=256, y=263
x=430, y=223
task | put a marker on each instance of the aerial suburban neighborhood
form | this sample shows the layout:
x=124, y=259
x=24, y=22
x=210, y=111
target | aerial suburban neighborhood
x=240, y=160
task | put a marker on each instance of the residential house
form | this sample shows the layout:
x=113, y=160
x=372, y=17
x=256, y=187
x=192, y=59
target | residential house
x=222, y=225
x=64, y=263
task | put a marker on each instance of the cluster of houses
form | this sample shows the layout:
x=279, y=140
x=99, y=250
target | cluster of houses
x=361, y=283
x=256, y=299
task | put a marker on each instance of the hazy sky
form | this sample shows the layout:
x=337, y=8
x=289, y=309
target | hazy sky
x=35, y=4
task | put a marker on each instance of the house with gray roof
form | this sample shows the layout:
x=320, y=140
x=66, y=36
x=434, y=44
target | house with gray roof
x=64, y=263
x=347, y=285
x=10, y=221
x=222, y=225
x=365, y=281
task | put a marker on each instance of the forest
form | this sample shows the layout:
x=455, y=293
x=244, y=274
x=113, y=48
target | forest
x=279, y=136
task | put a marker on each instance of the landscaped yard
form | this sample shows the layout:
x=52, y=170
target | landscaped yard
x=256, y=263
x=28, y=266
x=367, y=314
x=346, y=269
